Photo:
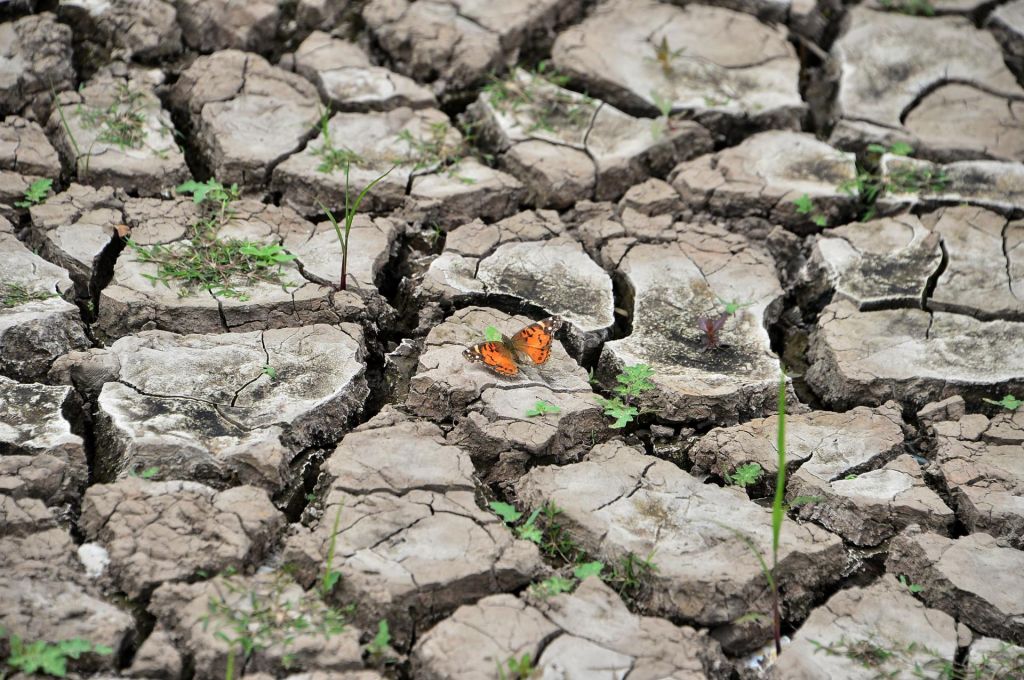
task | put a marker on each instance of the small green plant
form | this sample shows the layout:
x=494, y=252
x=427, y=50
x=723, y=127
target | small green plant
x=548, y=108
x=1009, y=402
x=665, y=56
x=552, y=586
x=733, y=306
x=269, y=371
x=213, y=191
x=48, y=658
x=629, y=573
x=331, y=158
x=13, y=294
x=586, y=569
x=745, y=475
x=778, y=510
x=557, y=542
x=381, y=641
x=542, y=408
x=662, y=125
x=851, y=476
x=805, y=206
x=147, y=473
x=351, y=208
x=869, y=185
x=528, y=530
x=123, y=122
x=517, y=669
x=71, y=135
x=433, y=149
x=35, y=194
x=492, y=334
x=912, y=587
x=896, y=149
x=633, y=382
x=329, y=578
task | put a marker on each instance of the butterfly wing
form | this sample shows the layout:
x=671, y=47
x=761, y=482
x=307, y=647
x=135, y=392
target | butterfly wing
x=535, y=340
x=493, y=355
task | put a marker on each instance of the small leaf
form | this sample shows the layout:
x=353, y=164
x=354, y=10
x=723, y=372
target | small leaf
x=820, y=220
x=528, y=532
x=1009, y=402
x=330, y=580
x=492, y=334
x=876, y=148
x=505, y=511
x=553, y=586
x=804, y=204
x=269, y=371
x=541, y=408
x=586, y=569
x=803, y=500
x=901, y=149
x=745, y=475
x=75, y=647
x=150, y=472
x=102, y=650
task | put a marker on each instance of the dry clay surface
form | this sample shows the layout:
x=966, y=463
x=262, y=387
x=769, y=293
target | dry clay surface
x=256, y=424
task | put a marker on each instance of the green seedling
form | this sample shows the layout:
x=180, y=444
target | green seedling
x=48, y=658
x=912, y=587
x=492, y=334
x=13, y=294
x=147, y=473
x=381, y=641
x=552, y=586
x=122, y=123
x=36, y=193
x=630, y=572
x=665, y=56
x=548, y=108
x=1009, y=402
x=633, y=382
x=517, y=669
x=269, y=371
x=542, y=408
x=745, y=475
x=585, y=569
x=329, y=579
x=331, y=158
x=805, y=206
x=351, y=208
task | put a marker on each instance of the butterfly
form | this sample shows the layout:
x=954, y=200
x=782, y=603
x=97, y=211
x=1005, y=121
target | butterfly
x=501, y=355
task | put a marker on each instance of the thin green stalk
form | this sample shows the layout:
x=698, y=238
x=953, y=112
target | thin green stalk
x=71, y=136
x=229, y=673
x=779, y=509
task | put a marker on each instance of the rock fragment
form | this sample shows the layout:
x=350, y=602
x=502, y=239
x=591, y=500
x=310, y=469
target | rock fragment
x=35, y=56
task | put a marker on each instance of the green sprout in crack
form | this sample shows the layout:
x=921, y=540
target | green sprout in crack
x=542, y=408
x=332, y=158
x=633, y=383
x=805, y=206
x=13, y=294
x=665, y=56
x=203, y=261
x=745, y=475
x=35, y=194
x=869, y=184
x=520, y=668
x=1009, y=402
x=47, y=658
x=122, y=123
x=549, y=108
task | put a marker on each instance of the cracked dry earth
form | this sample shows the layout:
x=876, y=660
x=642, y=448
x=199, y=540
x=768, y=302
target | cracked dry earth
x=245, y=479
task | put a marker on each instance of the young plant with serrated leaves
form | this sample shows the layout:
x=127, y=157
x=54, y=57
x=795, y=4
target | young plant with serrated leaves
x=541, y=408
x=560, y=584
x=351, y=209
x=36, y=193
x=745, y=475
x=633, y=382
x=1009, y=402
x=805, y=206
x=520, y=668
x=122, y=123
x=378, y=646
x=47, y=658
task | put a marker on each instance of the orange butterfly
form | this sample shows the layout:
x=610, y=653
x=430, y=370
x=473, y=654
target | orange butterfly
x=500, y=355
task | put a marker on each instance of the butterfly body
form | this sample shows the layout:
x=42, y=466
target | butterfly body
x=504, y=356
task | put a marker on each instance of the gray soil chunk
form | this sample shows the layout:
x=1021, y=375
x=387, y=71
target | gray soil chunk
x=675, y=284
x=829, y=445
x=913, y=182
x=766, y=174
x=114, y=133
x=882, y=263
x=35, y=55
x=491, y=409
x=168, y=531
x=464, y=191
x=869, y=507
x=529, y=257
x=247, y=115
x=882, y=616
x=564, y=145
x=288, y=294
x=157, y=658
x=21, y=516
x=893, y=72
x=198, y=614
x=205, y=408
x=412, y=544
x=619, y=501
x=972, y=578
x=979, y=460
x=324, y=15
x=911, y=355
x=135, y=29
x=896, y=262
x=41, y=607
x=24, y=149
x=40, y=457
x=74, y=229
x=587, y=634
x=991, y=659
x=413, y=145
x=210, y=25
x=1007, y=23
x=723, y=68
x=455, y=44
x=37, y=325
x=345, y=77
